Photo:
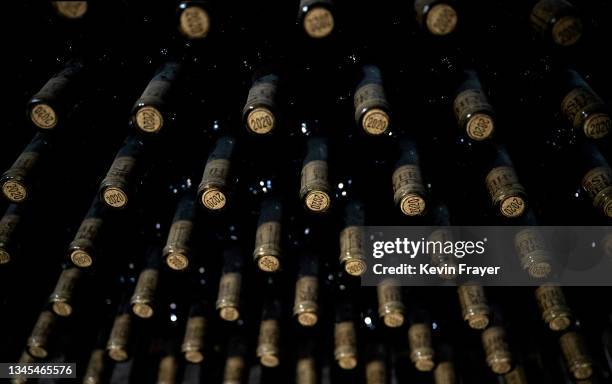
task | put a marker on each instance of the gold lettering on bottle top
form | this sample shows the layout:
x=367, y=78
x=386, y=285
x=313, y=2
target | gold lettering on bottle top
x=149, y=119
x=408, y=190
x=370, y=105
x=441, y=19
x=578, y=107
x=234, y=370
x=228, y=299
x=345, y=339
x=351, y=250
x=376, y=372
x=506, y=192
x=533, y=253
x=553, y=307
x=214, y=182
x=64, y=289
x=444, y=373
x=176, y=249
x=496, y=349
x=315, y=186
x=267, y=345
x=598, y=185
x=574, y=350
x=95, y=368
x=305, y=304
x=119, y=338
x=193, y=342
x=318, y=22
x=474, y=306
x=82, y=244
x=71, y=9
x=114, y=197
x=267, y=246
x=261, y=120
x=390, y=306
x=421, y=350
x=115, y=181
x=14, y=191
x=194, y=22
x=567, y=31
x=144, y=293
x=43, y=116
x=306, y=371
x=473, y=112
x=39, y=339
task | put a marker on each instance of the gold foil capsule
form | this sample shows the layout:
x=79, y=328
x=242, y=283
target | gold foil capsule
x=408, y=190
x=118, y=341
x=474, y=306
x=376, y=372
x=144, y=294
x=351, y=250
x=193, y=342
x=94, y=373
x=390, y=306
x=553, y=307
x=267, y=246
x=61, y=298
x=598, y=185
x=228, y=299
x=421, y=350
x=213, y=187
x=507, y=193
x=306, y=372
x=168, y=370
x=533, y=253
x=576, y=356
x=314, y=189
x=268, y=343
x=305, y=306
x=234, y=371
x=318, y=22
x=194, y=22
x=38, y=342
x=497, y=350
x=345, y=339
x=444, y=373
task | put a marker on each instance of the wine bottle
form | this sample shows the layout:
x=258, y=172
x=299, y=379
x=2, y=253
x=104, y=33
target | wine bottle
x=49, y=106
x=372, y=110
x=554, y=309
x=441, y=218
x=597, y=178
x=576, y=356
x=306, y=307
x=119, y=182
x=507, y=194
x=167, y=371
x=444, y=372
x=216, y=180
x=17, y=181
x=43, y=335
x=230, y=284
x=516, y=376
x=97, y=369
x=306, y=365
x=352, y=255
x=260, y=112
x=391, y=309
x=557, y=21
x=61, y=299
x=144, y=297
x=236, y=367
x=317, y=17
x=437, y=17
x=408, y=188
x=376, y=364
x=315, y=186
x=267, y=253
x=83, y=248
x=497, y=350
x=532, y=249
x=420, y=342
x=70, y=9
x=474, y=306
x=119, y=345
x=194, y=18
x=473, y=112
x=195, y=332
x=582, y=107
x=268, y=342
x=153, y=110
x=9, y=228
x=177, y=251
x=345, y=335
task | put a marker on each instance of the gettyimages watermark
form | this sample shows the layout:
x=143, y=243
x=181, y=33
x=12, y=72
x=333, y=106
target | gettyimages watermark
x=491, y=255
